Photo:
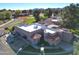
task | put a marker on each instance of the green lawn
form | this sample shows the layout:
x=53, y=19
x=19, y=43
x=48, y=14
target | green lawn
x=75, y=31
x=29, y=20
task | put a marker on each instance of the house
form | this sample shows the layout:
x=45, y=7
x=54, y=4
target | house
x=53, y=26
x=36, y=32
x=66, y=35
x=32, y=33
x=51, y=37
x=50, y=21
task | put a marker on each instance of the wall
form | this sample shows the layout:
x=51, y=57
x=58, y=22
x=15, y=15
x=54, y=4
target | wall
x=28, y=34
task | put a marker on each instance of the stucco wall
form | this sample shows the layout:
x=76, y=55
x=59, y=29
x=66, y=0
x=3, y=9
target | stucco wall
x=28, y=34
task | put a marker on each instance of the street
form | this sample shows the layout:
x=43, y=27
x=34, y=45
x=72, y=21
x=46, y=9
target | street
x=5, y=49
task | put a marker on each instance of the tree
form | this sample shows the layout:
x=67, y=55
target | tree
x=30, y=12
x=36, y=14
x=24, y=11
x=69, y=16
x=2, y=10
x=5, y=15
x=8, y=15
x=2, y=16
x=17, y=13
x=48, y=12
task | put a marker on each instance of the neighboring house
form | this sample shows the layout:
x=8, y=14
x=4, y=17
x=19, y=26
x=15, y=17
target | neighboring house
x=53, y=26
x=51, y=20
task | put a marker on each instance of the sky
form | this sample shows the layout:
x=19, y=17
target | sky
x=21, y=6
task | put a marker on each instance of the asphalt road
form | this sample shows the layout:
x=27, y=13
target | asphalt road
x=5, y=49
x=9, y=23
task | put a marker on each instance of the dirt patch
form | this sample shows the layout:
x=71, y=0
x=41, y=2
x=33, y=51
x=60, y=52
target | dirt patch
x=22, y=18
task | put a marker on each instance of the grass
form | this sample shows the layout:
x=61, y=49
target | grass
x=76, y=48
x=75, y=43
x=12, y=25
x=75, y=31
x=29, y=20
x=15, y=23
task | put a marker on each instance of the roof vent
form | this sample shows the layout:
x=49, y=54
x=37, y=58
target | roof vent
x=35, y=26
